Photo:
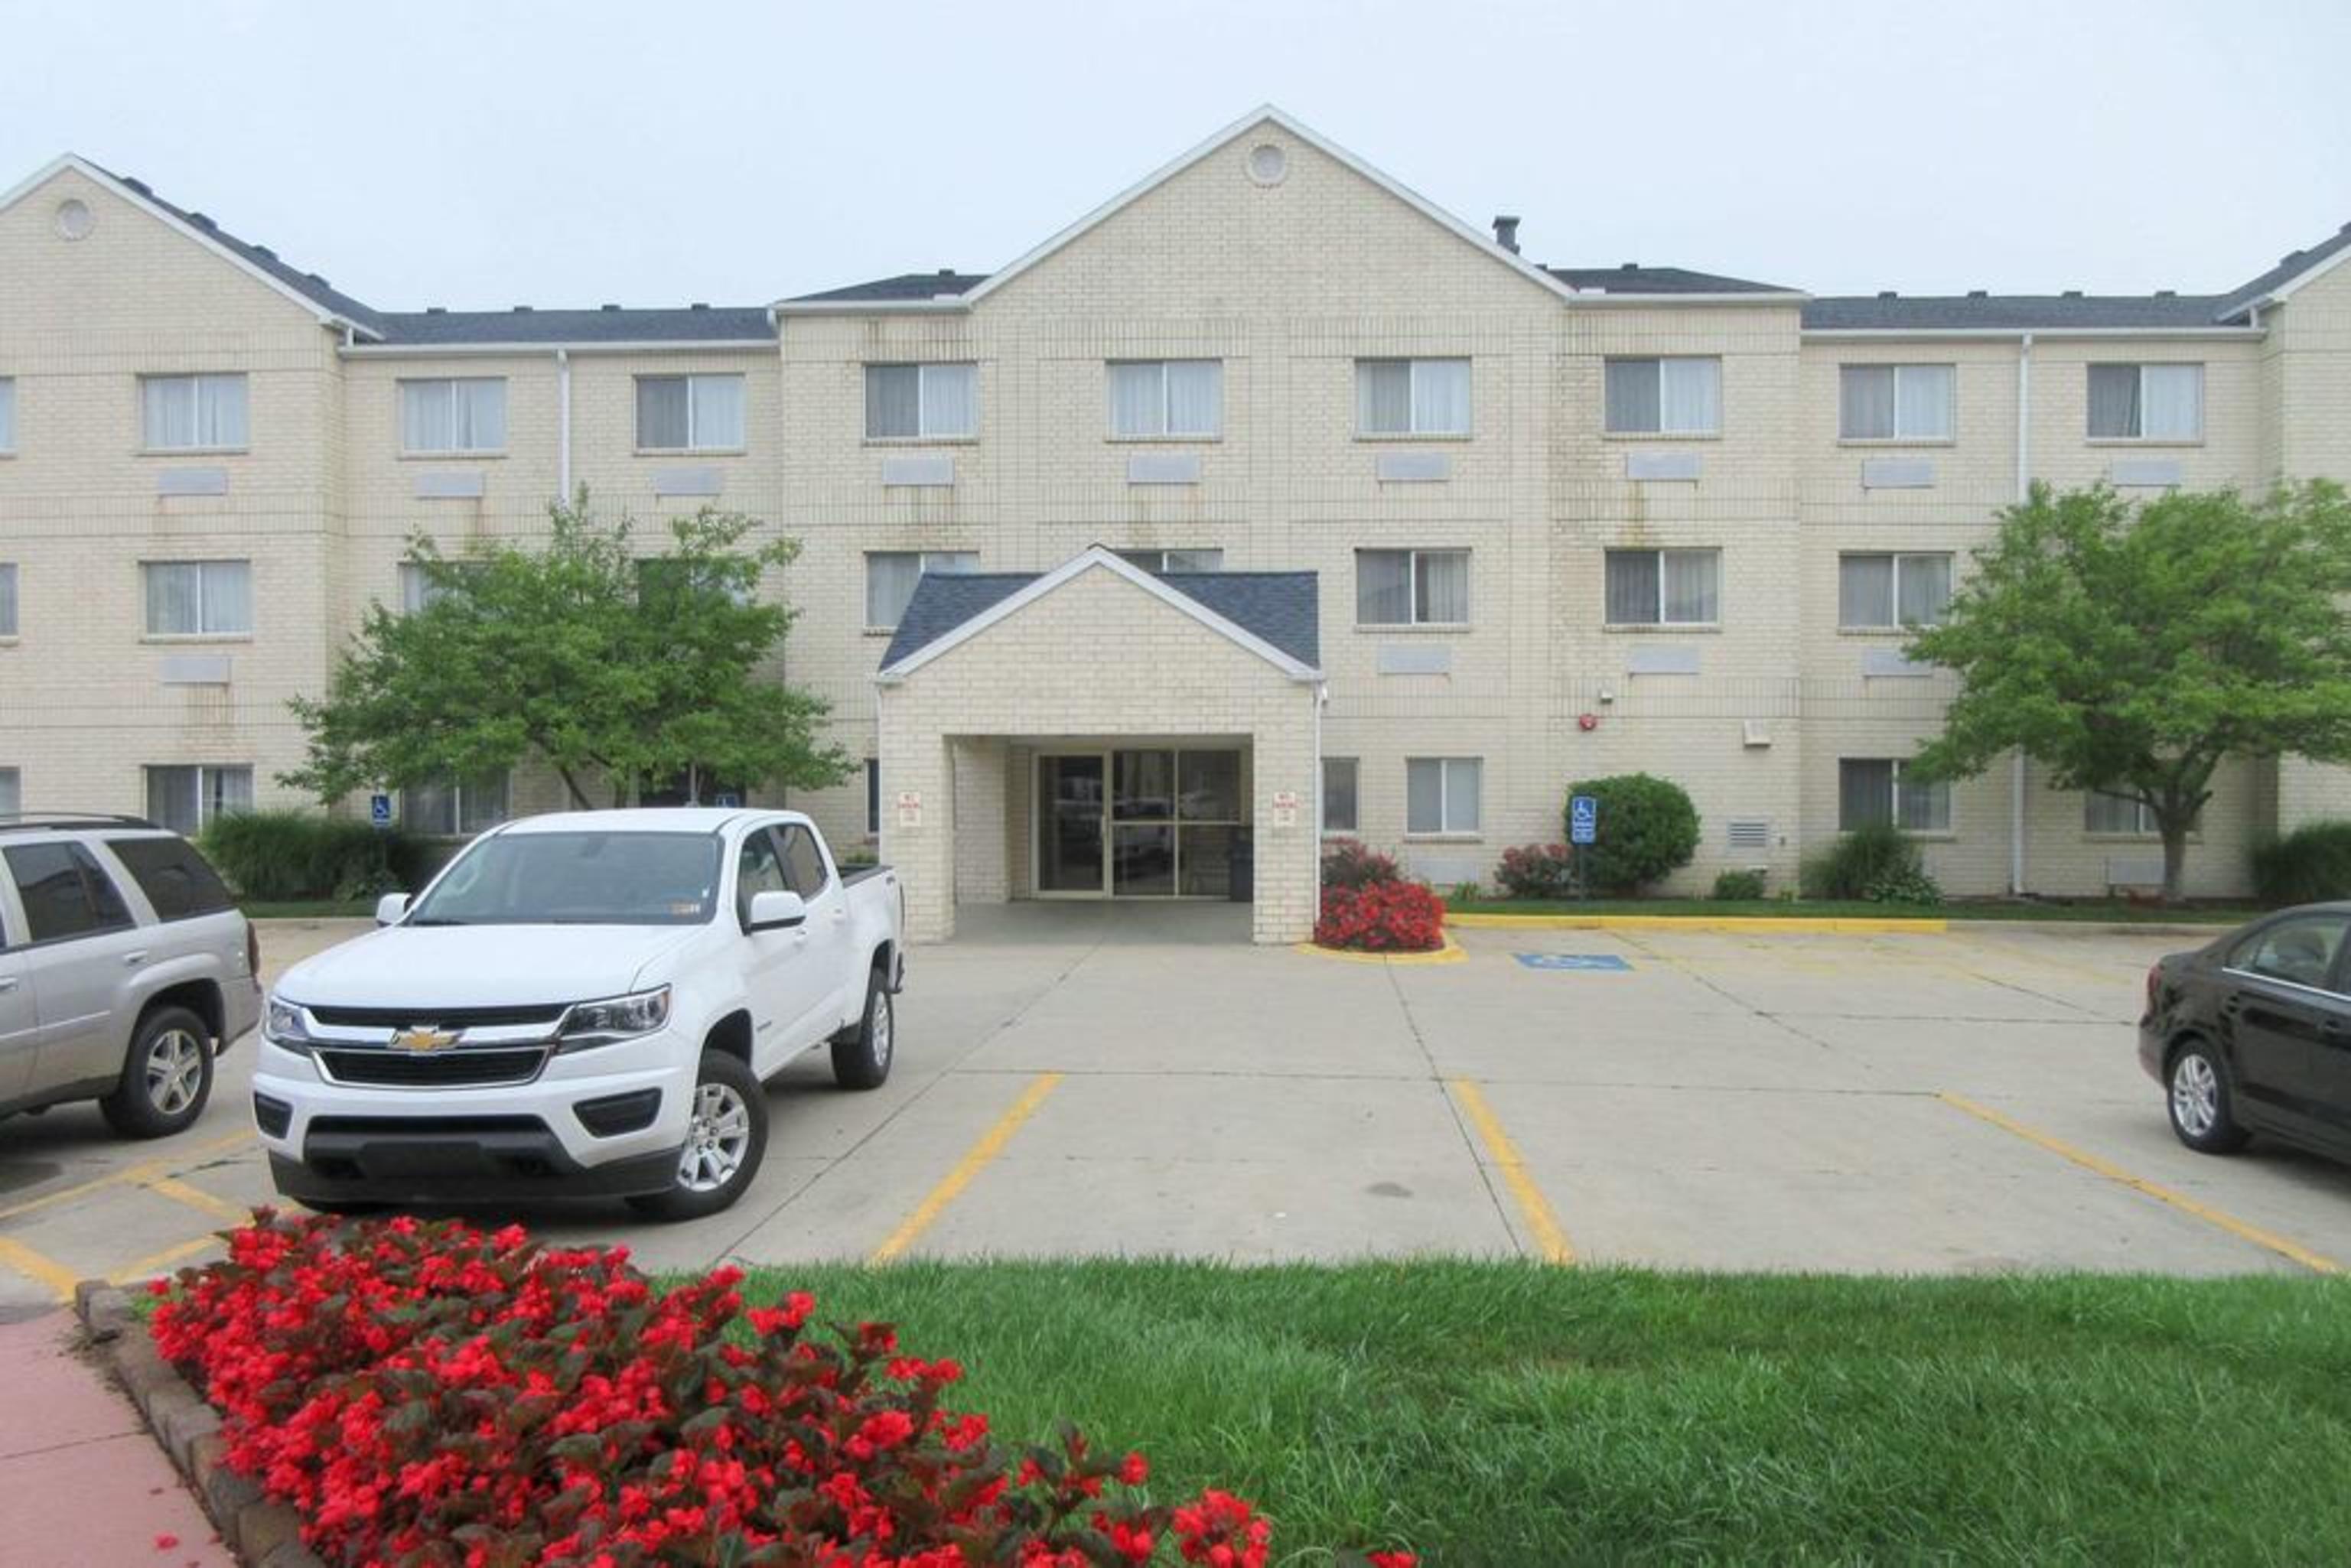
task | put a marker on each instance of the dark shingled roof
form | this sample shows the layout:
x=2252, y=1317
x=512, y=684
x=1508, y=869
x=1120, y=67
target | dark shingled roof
x=698, y=324
x=1279, y=607
x=904, y=285
x=1633, y=278
x=2236, y=301
x=2005, y=312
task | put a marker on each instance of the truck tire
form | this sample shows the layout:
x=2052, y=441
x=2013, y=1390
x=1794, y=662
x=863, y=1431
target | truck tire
x=861, y=1056
x=166, y=1078
x=725, y=1139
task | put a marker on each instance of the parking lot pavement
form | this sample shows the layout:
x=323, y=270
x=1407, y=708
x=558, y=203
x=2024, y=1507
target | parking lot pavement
x=1136, y=1082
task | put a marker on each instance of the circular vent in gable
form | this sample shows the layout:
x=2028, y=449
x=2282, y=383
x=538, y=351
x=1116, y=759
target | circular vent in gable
x=1268, y=164
x=74, y=219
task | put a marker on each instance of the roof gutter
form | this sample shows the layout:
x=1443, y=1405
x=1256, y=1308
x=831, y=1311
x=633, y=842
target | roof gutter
x=541, y=346
x=2010, y=334
x=936, y=303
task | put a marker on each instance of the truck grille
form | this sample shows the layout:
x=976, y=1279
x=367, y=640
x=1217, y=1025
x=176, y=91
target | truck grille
x=452, y=1069
x=441, y=1018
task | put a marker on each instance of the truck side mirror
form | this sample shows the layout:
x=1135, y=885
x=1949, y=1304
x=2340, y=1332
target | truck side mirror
x=775, y=911
x=390, y=908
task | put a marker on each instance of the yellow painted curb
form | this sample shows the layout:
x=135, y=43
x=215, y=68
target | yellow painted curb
x=1451, y=953
x=1838, y=925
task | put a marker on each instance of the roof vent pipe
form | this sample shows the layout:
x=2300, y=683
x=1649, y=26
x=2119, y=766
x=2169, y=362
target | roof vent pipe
x=1506, y=232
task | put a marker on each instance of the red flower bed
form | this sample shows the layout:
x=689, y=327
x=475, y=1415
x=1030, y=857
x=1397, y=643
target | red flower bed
x=1382, y=917
x=429, y=1397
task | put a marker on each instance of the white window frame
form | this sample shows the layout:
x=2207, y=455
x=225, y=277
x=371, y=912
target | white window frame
x=1412, y=430
x=1166, y=431
x=8, y=416
x=206, y=774
x=1894, y=799
x=924, y=370
x=1412, y=561
x=693, y=441
x=2142, y=366
x=1897, y=558
x=1714, y=550
x=453, y=383
x=2142, y=815
x=204, y=629
x=923, y=569
x=459, y=789
x=198, y=383
x=1354, y=767
x=1660, y=431
x=1448, y=828
x=1899, y=436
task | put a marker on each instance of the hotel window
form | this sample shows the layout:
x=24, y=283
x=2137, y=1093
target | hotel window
x=1873, y=793
x=1339, y=775
x=1412, y=397
x=12, y=791
x=191, y=413
x=452, y=807
x=417, y=588
x=921, y=403
x=890, y=577
x=2118, y=814
x=1164, y=560
x=1665, y=397
x=872, y=797
x=7, y=415
x=689, y=413
x=1440, y=794
x=467, y=414
x=1412, y=587
x=198, y=598
x=1895, y=402
x=2146, y=403
x=7, y=599
x=184, y=799
x=1664, y=586
x=1174, y=399
x=1877, y=591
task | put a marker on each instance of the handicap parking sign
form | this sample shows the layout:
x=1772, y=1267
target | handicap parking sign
x=1588, y=962
x=729, y=798
x=379, y=810
x=1583, y=820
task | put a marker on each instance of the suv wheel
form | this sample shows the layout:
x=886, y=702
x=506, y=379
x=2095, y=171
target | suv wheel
x=860, y=1058
x=724, y=1141
x=2201, y=1110
x=167, y=1078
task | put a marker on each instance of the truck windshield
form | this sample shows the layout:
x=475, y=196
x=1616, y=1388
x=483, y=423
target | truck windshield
x=576, y=879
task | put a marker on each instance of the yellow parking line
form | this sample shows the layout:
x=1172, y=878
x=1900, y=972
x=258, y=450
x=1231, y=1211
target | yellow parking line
x=1550, y=1240
x=147, y=1268
x=1834, y=925
x=990, y=1144
x=1452, y=952
x=2181, y=1201
x=133, y=1176
x=40, y=1267
x=181, y=1192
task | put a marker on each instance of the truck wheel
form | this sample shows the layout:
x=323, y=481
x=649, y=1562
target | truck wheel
x=860, y=1059
x=725, y=1142
x=166, y=1079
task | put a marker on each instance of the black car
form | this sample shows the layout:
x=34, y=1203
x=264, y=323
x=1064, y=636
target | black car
x=2252, y=1033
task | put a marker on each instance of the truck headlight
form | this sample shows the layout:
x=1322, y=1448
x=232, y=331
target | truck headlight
x=282, y=1025
x=614, y=1019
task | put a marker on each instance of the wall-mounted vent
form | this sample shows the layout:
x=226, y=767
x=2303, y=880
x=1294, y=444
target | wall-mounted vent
x=1750, y=833
x=924, y=470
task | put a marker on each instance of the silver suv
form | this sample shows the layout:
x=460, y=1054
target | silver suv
x=125, y=970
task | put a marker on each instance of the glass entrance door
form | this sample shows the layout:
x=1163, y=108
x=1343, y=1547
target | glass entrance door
x=1140, y=822
x=1070, y=824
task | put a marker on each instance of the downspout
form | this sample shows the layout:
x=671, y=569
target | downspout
x=2023, y=492
x=564, y=424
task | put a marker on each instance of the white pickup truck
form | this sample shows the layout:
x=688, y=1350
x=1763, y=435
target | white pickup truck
x=579, y=1005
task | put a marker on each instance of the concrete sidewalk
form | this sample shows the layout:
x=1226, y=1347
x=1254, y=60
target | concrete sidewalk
x=82, y=1481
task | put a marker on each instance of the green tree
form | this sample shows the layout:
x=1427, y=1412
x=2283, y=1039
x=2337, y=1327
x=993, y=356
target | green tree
x=2128, y=649
x=574, y=654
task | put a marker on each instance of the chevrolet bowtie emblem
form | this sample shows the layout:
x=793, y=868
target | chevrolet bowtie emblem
x=423, y=1039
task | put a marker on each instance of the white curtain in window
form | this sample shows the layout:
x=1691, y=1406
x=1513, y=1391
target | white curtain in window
x=1865, y=403
x=1864, y=792
x=7, y=600
x=1138, y=400
x=226, y=790
x=1384, y=397
x=1339, y=794
x=663, y=419
x=1440, y=397
x=2104, y=814
x=1424, y=795
x=1196, y=397
x=1926, y=584
x=950, y=399
x=168, y=412
x=1441, y=591
x=894, y=402
x=949, y=562
x=1689, y=396
x=220, y=410
x=172, y=590
x=890, y=579
x=1866, y=591
x=2113, y=401
x=1632, y=588
x=1383, y=586
x=1920, y=807
x=482, y=802
x=1192, y=560
x=1923, y=399
x=717, y=411
x=8, y=414
x=427, y=417
x=430, y=808
x=1691, y=578
x=12, y=792
x=1632, y=396
x=172, y=799
x=2172, y=398
x=1464, y=779
x=227, y=593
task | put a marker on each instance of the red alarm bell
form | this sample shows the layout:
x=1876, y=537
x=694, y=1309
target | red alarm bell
x=1587, y=721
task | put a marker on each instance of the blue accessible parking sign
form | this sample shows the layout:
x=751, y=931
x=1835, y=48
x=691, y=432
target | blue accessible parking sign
x=1583, y=820
x=379, y=810
x=1585, y=961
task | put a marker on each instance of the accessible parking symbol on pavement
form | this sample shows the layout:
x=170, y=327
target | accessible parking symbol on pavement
x=1585, y=961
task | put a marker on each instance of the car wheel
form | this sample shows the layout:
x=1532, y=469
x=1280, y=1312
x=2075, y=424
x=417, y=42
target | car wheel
x=860, y=1059
x=2201, y=1113
x=166, y=1079
x=725, y=1139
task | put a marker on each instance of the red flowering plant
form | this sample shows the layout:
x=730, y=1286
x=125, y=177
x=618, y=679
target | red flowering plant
x=1540, y=871
x=426, y=1396
x=1382, y=917
x=1350, y=863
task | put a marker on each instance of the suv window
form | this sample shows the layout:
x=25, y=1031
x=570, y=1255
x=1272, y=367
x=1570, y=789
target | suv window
x=64, y=892
x=804, y=859
x=175, y=877
x=2300, y=951
x=757, y=869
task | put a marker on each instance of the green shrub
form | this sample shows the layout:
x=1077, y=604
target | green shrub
x=1647, y=830
x=1739, y=886
x=2309, y=865
x=1538, y=870
x=1910, y=884
x=279, y=855
x=1858, y=861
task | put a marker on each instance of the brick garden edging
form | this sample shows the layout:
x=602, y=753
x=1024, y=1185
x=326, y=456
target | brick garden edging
x=263, y=1534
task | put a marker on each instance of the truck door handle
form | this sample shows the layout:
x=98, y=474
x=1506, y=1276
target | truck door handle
x=132, y=960
x=8, y=984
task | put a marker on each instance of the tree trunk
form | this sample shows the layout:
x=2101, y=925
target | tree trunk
x=2175, y=860
x=571, y=784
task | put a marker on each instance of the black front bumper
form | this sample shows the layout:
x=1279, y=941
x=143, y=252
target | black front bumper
x=454, y=1159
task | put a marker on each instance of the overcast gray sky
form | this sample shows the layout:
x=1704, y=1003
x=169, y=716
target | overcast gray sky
x=484, y=154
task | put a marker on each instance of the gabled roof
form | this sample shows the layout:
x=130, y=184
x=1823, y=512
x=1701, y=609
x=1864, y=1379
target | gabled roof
x=308, y=288
x=945, y=283
x=1632, y=277
x=608, y=324
x=1273, y=614
x=2291, y=273
x=2010, y=312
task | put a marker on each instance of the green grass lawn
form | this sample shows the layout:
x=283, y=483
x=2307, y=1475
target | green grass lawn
x=1505, y=1413
x=2186, y=915
x=308, y=909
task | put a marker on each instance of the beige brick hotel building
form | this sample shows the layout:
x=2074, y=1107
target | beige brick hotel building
x=1268, y=501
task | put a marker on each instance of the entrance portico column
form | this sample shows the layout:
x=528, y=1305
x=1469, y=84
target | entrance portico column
x=918, y=829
